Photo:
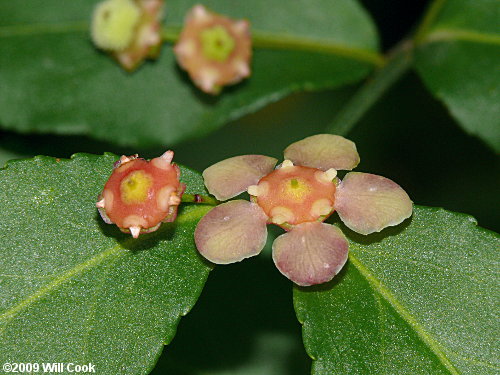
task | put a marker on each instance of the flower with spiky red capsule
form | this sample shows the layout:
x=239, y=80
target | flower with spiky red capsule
x=128, y=29
x=298, y=196
x=215, y=50
x=140, y=195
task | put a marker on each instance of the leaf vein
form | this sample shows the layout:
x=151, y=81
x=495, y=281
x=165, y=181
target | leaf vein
x=426, y=337
x=10, y=313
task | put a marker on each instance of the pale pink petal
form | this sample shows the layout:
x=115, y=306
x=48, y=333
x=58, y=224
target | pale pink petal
x=232, y=176
x=231, y=232
x=324, y=151
x=368, y=203
x=311, y=253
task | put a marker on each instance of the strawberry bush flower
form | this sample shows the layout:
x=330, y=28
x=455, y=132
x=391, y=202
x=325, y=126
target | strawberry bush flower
x=128, y=29
x=298, y=196
x=215, y=50
x=140, y=195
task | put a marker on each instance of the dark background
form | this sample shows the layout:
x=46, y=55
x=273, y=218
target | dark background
x=244, y=322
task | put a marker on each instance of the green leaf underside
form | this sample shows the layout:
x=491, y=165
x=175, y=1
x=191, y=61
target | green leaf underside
x=458, y=61
x=75, y=289
x=416, y=299
x=53, y=80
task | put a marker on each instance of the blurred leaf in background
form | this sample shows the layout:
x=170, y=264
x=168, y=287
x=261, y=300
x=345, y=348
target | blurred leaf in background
x=53, y=80
x=458, y=58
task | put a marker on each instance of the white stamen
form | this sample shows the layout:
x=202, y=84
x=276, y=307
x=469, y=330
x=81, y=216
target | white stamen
x=331, y=173
x=326, y=177
x=286, y=164
x=253, y=190
x=321, y=207
x=280, y=215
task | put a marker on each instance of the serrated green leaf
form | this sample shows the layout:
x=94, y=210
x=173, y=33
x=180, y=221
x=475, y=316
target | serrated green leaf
x=415, y=299
x=74, y=289
x=53, y=80
x=458, y=60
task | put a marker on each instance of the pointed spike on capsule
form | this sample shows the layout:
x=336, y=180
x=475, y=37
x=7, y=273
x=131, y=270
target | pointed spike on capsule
x=200, y=12
x=174, y=200
x=124, y=159
x=100, y=204
x=135, y=231
x=167, y=156
x=207, y=80
x=241, y=26
x=242, y=68
x=186, y=48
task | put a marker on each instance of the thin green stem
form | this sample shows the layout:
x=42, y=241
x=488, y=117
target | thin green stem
x=439, y=35
x=199, y=198
x=170, y=34
x=397, y=64
x=429, y=17
x=265, y=40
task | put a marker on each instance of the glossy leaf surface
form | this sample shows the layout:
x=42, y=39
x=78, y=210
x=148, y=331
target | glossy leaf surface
x=53, y=80
x=415, y=299
x=74, y=289
x=458, y=61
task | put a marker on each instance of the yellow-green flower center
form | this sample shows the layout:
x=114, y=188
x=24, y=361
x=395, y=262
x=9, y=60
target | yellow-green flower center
x=134, y=188
x=217, y=43
x=294, y=195
x=296, y=189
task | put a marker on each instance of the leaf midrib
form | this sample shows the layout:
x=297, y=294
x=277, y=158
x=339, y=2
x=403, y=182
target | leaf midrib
x=261, y=39
x=403, y=312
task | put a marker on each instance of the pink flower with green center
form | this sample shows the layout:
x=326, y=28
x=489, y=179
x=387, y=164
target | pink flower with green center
x=215, y=50
x=298, y=196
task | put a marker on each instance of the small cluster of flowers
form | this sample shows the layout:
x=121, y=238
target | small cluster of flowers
x=215, y=50
x=298, y=195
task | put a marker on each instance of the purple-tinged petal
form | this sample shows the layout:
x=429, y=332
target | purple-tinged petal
x=231, y=232
x=368, y=203
x=230, y=177
x=324, y=151
x=311, y=253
